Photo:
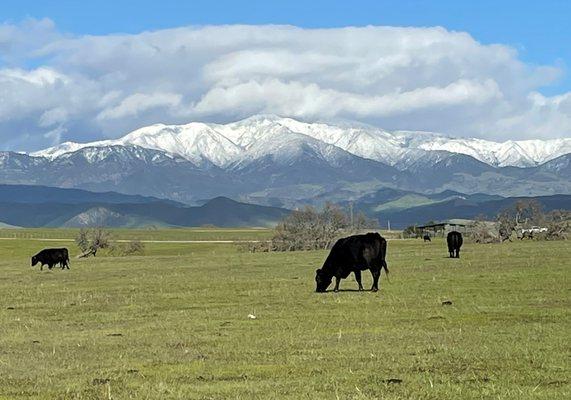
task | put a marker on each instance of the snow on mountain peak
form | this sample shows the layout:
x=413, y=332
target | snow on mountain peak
x=261, y=135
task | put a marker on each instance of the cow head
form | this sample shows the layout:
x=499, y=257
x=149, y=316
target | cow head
x=323, y=280
x=34, y=260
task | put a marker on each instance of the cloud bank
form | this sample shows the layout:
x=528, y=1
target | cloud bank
x=55, y=86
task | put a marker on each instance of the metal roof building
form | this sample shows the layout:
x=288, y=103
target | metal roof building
x=442, y=228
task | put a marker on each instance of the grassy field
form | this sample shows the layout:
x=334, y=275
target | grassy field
x=173, y=324
x=146, y=234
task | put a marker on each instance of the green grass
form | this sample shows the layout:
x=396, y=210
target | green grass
x=173, y=324
x=146, y=234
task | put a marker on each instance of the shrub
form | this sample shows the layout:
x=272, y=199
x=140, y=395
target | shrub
x=134, y=247
x=91, y=240
x=312, y=229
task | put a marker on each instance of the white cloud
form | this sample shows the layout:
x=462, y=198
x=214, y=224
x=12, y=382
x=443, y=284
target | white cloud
x=139, y=102
x=87, y=87
x=294, y=98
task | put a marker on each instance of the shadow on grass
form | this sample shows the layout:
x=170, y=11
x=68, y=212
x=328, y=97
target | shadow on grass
x=347, y=290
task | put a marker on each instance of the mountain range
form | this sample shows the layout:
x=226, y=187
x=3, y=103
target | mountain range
x=283, y=162
x=241, y=142
x=41, y=206
x=403, y=208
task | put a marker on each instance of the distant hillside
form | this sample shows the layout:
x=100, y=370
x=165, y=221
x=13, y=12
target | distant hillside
x=3, y=225
x=45, y=194
x=392, y=200
x=221, y=212
x=464, y=208
x=40, y=206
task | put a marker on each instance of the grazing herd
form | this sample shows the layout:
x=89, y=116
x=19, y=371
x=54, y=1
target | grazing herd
x=365, y=252
x=352, y=254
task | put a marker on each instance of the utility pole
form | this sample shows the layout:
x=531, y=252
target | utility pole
x=351, y=214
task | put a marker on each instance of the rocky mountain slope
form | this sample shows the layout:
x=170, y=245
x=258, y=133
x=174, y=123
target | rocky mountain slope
x=283, y=162
x=259, y=136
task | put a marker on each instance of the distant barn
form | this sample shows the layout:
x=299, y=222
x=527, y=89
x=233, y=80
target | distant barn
x=441, y=229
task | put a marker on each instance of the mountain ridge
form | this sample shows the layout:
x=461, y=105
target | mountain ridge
x=283, y=162
x=41, y=206
x=222, y=145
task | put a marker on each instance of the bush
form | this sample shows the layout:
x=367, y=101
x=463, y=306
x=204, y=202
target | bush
x=483, y=231
x=528, y=213
x=411, y=232
x=558, y=225
x=91, y=240
x=134, y=247
x=310, y=229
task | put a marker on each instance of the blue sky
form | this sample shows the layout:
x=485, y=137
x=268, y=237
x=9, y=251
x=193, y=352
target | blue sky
x=85, y=70
x=539, y=30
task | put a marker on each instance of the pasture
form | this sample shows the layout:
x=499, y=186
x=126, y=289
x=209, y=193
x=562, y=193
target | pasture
x=174, y=323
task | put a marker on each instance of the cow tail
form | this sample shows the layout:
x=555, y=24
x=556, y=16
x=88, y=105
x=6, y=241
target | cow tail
x=383, y=262
x=384, y=265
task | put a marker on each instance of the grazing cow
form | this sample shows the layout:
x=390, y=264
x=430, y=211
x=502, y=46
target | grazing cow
x=51, y=257
x=454, y=240
x=353, y=254
x=426, y=238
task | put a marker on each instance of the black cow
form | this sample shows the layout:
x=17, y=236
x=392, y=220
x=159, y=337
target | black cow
x=51, y=257
x=454, y=240
x=353, y=254
x=426, y=238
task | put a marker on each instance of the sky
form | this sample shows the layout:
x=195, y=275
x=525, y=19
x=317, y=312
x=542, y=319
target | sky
x=81, y=71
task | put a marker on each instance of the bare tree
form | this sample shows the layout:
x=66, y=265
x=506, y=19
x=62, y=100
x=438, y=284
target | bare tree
x=521, y=215
x=311, y=229
x=558, y=225
x=82, y=240
x=91, y=240
x=527, y=219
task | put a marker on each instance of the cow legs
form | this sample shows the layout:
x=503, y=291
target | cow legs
x=376, y=272
x=358, y=279
x=457, y=253
x=337, y=280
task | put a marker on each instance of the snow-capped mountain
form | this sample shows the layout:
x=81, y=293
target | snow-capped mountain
x=263, y=135
x=281, y=161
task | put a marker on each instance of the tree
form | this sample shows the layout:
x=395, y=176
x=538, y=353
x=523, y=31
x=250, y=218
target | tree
x=82, y=240
x=525, y=214
x=558, y=225
x=411, y=231
x=91, y=240
x=522, y=214
x=312, y=229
